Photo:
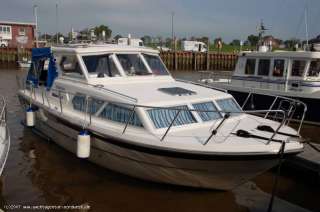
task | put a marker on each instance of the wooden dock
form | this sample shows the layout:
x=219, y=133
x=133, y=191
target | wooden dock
x=12, y=55
x=198, y=61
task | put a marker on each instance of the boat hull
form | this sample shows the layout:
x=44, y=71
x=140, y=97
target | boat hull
x=212, y=172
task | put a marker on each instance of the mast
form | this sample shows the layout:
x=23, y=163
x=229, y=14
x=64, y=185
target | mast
x=306, y=24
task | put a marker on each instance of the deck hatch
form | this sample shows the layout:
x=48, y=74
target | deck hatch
x=177, y=91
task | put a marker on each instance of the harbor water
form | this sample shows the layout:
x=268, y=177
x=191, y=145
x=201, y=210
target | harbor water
x=39, y=172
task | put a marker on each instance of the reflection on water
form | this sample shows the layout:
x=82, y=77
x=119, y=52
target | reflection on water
x=55, y=177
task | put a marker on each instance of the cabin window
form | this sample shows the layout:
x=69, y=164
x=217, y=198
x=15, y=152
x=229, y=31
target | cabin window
x=163, y=117
x=229, y=106
x=298, y=67
x=132, y=64
x=70, y=66
x=101, y=65
x=156, y=64
x=207, y=106
x=120, y=114
x=79, y=102
x=250, y=66
x=314, y=70
x=264, y=67
x=278, y=68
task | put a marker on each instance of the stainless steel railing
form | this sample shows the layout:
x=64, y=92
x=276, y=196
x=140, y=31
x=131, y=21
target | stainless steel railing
x=290, y=112
x=134, y=106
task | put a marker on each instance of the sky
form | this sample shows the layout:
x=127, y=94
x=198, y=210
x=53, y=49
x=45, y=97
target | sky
x=229, y=19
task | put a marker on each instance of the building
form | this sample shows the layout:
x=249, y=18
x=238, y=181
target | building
x=17, y=34
x=269, y=39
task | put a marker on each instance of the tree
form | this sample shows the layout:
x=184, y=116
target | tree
x=291, y=42
x=235, y=42
x=253, y=40
x=146, y=39
x=99, y=29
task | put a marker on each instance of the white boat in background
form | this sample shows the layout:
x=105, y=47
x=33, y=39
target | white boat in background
x=262, y=75
x=4, y=135
x=119, y=107
x=24, y=63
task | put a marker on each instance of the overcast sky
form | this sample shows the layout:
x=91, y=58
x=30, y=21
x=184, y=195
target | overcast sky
x=230, y=19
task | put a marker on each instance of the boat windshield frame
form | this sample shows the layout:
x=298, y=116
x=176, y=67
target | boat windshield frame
x=122, y=71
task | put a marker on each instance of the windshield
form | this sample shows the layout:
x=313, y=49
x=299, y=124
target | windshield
x=132, y=64
x=155, y=64
x=102, y=65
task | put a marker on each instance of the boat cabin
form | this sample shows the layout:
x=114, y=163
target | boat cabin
x=278, y=70
x=108, y=81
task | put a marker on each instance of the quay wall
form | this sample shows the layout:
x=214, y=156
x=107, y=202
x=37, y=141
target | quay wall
x=179, y=60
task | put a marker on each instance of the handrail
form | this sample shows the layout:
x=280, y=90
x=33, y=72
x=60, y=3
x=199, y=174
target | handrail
x=276, y=98
x=178, y=112
x=3, y=113
x=253, y=112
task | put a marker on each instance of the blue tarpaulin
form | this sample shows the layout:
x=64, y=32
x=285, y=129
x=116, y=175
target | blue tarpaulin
x=39, y=55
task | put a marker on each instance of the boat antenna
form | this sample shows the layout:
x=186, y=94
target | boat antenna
x=261, y=31
x=35, y=13
x=172, y=30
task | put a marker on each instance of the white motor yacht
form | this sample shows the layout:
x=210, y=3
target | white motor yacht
x=119, y=107
x=261, y=76
x=4, y=135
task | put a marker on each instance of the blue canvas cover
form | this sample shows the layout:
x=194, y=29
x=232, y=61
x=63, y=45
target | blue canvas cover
x=38, y=55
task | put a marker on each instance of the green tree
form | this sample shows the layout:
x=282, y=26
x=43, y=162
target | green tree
x=99, y=29
x=235, y=42
x=146, y=39
x=253, y=40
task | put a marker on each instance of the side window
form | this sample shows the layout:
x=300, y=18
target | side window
x=298, y=67
x=207, y=116
x=250, y=66
x=229, y=105
x=278, y=68
x=264, y=67
x=314, y=70
x=79, y=103
x=120, y=114
x=70, y=66
x=102, y=65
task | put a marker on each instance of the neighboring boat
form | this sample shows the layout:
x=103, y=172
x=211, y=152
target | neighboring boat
x=4, y=135
x=24, y=63
x=280, y=73
x=119, y=107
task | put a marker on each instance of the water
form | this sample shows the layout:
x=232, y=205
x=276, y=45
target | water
x=56, y=177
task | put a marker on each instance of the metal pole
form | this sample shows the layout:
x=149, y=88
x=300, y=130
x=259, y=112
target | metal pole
x=174, y=119
x=172, y=31
x=129, y=119
x=35, y=10
x=306, y=22
x=57, y=39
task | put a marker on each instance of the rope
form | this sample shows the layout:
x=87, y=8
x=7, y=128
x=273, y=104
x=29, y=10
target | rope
x=275, y=184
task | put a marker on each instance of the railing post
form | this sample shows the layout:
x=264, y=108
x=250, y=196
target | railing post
x=273, y=103
x=129, y=119
x=174, y=119
x=60, y=102
x=279, y=127
x=215, y=131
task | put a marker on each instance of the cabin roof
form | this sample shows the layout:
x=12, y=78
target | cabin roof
x=282, y=54
x=100, y=49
